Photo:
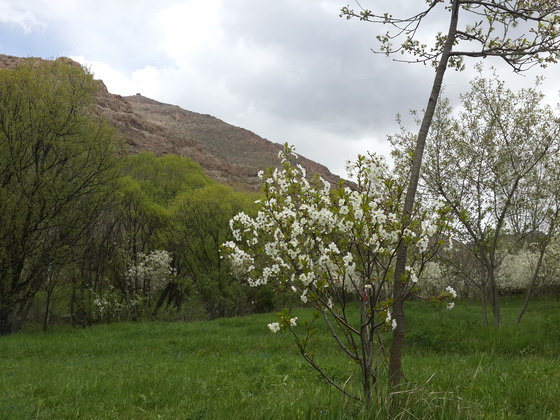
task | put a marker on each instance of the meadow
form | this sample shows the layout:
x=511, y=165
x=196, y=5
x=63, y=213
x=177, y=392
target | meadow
x=236, y=369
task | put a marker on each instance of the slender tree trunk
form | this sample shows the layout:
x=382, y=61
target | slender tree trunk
x=47, y=314
x=494, y=295
x=531, y=284
x=5, y=320
x=50, y=287
x=484, y=307
x=366, y=354
x=397, y=345
x=73, y=303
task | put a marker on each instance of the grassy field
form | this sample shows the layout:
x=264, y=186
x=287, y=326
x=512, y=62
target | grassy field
x=236, y=369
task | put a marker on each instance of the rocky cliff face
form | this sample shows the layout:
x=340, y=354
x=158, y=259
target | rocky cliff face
x=229, y=154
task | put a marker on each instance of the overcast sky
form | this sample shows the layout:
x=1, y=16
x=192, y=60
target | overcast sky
x=289, y=70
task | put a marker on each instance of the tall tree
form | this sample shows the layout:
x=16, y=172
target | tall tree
x=541, y=199
x=201, y=224
x=523, y=33
x=485, y=164
x=56, y=157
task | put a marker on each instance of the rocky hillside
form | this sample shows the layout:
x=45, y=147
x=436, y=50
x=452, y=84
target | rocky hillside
x=229, y=154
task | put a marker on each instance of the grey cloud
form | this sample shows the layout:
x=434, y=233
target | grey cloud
x=289, y=70
x=328, y=73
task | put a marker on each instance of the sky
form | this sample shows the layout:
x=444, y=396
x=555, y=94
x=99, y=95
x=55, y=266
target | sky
x=289, y=70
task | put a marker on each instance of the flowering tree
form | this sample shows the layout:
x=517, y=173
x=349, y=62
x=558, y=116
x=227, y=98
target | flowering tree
x=551, y=265
x=150, y=274
x=495, y=166
x=542, y=191
x=334, y=248
x=523, y=33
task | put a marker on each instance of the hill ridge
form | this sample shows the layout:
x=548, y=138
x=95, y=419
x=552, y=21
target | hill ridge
x=229, y=154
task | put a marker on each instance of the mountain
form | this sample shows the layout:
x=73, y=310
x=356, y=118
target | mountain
x=229, y=154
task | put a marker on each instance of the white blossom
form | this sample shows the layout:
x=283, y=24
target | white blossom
x=151, y=269
x=313, y=240
x=451, y=291
x=388, y=318
x=274, y=327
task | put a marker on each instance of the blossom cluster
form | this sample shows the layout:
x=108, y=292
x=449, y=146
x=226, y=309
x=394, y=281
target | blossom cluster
x=453, y=294
x=284, y=322
x=153, y=269
x=318, y=239
x=110, y=306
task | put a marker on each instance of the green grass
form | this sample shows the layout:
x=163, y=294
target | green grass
x=235, y=368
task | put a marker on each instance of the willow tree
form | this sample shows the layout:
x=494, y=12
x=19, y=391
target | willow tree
x=523, y=33
x=56, y=160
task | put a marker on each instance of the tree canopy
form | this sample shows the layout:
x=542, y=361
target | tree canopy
x=521, y=32
x=56, y=156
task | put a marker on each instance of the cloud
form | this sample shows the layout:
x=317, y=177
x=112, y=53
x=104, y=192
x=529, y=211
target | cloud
x=288, y=70
x=17, y=14
x=190, y=29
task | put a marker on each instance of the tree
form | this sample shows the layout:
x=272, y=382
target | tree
x=153, y=272
x=541, y=196
x=523, y=33
x=335, y=250
x=56, y=158
x=164, y=178
x=485, y=162
x=551, y=267
x=200, y=226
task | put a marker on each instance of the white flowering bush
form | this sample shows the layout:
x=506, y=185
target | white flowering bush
x=106, y=306
x=436, y=276
x=150, y=274
x=516, y=271
x=333, y=248
x=551, y=266
x=109, y=305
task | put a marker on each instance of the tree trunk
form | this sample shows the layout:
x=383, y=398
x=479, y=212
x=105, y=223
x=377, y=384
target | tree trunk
x=484, y=308
x=367, y=353
x=494, y=295
x=47, y=314
x=5, y=320
x=13, y=316
x=531, y=284
x=395, y=360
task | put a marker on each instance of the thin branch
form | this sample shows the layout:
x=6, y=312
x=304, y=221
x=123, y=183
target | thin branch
x=310, y=360
x=352, y=355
